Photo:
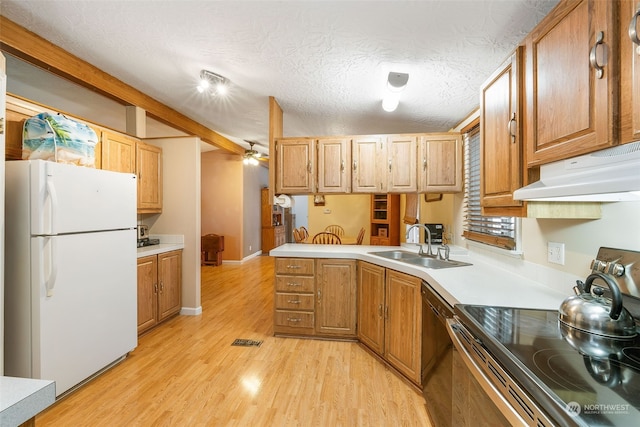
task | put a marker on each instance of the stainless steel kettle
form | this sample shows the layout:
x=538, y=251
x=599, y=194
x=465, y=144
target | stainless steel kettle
x=591, y=312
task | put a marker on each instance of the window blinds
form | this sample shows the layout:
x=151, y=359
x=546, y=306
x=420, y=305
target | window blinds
x=492, y=230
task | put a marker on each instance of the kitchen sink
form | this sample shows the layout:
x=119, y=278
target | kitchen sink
x=420, y=260
x=434, y=262
x=397, y=255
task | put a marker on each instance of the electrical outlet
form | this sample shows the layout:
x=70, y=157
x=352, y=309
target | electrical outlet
x=555, y=253
x=249, y=248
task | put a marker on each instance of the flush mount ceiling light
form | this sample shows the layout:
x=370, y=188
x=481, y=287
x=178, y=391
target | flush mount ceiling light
x=212, y=83
x=396, y=83
x=251, y=156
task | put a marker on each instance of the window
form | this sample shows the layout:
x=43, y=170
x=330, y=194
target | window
x=492, y=230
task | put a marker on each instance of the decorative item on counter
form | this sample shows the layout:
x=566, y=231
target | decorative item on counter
x=58, y=139
x=591, y=312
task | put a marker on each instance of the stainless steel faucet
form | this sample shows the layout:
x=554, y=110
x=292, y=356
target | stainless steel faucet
x=419, y=244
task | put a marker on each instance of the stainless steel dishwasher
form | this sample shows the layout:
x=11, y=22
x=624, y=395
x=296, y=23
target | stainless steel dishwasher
x=437, y=357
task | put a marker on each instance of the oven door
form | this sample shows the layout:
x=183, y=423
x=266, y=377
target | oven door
x=483, y=393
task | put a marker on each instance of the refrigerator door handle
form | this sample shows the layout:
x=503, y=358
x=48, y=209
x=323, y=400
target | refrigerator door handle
x=51, y=190
x=50, y=283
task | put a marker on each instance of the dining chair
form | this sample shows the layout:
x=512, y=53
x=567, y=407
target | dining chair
x=335, y=229
x=297, y=236
x=304, y=233
x=327, y=238
x=360, y=236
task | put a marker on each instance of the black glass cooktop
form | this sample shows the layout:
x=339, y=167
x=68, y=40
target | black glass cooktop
x=577, y=378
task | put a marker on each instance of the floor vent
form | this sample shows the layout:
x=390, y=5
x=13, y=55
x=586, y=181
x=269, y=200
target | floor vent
x=246, y=343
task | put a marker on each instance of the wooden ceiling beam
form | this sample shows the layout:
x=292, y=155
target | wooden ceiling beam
x=28, y=46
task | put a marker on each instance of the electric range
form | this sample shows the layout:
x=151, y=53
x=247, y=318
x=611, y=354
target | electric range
x=595, y=382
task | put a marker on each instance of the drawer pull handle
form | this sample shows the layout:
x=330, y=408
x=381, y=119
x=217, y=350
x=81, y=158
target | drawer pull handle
x=293, y=301
x=293, y=267
x=293, y=284
x=293, y=320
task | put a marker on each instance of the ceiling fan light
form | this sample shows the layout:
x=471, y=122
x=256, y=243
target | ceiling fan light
x=253, y=161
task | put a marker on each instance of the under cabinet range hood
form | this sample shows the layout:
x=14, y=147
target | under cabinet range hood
x=609, y=175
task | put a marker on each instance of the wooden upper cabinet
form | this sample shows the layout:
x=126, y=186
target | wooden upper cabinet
x=629, y=72
x=440, y=163
x=118, y=152
x=501, y=150
x=366, y=176
x=570, y=107
x=401, y=164
x=149, y=169
x=295, y=163
x=334, y=165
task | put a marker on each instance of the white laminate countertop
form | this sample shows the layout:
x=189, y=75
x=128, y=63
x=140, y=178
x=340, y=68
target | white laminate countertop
x=481, y=283
x=168, y=243
x=23, y=398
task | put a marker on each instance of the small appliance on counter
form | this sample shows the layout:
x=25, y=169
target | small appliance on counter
x=436, y=231
x=143, y=237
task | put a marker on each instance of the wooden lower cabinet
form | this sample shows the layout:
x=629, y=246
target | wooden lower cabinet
x=294, y=300
x=336, y=297
x=390, y=317
x=159, y=288
x=345, y=299
x=315, y=297
x=371, y=292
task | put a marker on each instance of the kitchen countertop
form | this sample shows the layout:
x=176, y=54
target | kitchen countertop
x=167, y=243
x=481, y=283
x=23, y=398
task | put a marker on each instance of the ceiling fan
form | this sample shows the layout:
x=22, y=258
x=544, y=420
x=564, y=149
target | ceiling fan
x=251, y=156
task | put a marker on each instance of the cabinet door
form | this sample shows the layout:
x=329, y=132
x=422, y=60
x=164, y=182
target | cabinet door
x=500, y=136
x=570, y=107
x=403, y=341
x=440, y=163
x=149, y=168
x=401, y=164
x=147, y=292
x=371, y=284
x=334, y=161
x=295, y=163
x=366, y=175
x=118, y=153
x=169, y=283
x=629, y=72
x=336, y=297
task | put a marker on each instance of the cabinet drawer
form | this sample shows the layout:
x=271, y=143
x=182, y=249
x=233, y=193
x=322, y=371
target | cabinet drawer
x=298, y=266
x=295, y=284
x=294, y=301
x=294, y=319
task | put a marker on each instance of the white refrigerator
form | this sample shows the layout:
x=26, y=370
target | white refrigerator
x=70, y=271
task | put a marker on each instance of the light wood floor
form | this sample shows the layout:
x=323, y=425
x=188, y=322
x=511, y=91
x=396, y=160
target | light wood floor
x=186, y=373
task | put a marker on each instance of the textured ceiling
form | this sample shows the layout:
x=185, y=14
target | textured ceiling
x=325, y=62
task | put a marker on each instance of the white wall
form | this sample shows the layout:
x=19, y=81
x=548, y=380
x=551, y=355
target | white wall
x=181, y=210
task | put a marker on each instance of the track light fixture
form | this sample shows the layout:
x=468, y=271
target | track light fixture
x=213, y=83
x=396, y=83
